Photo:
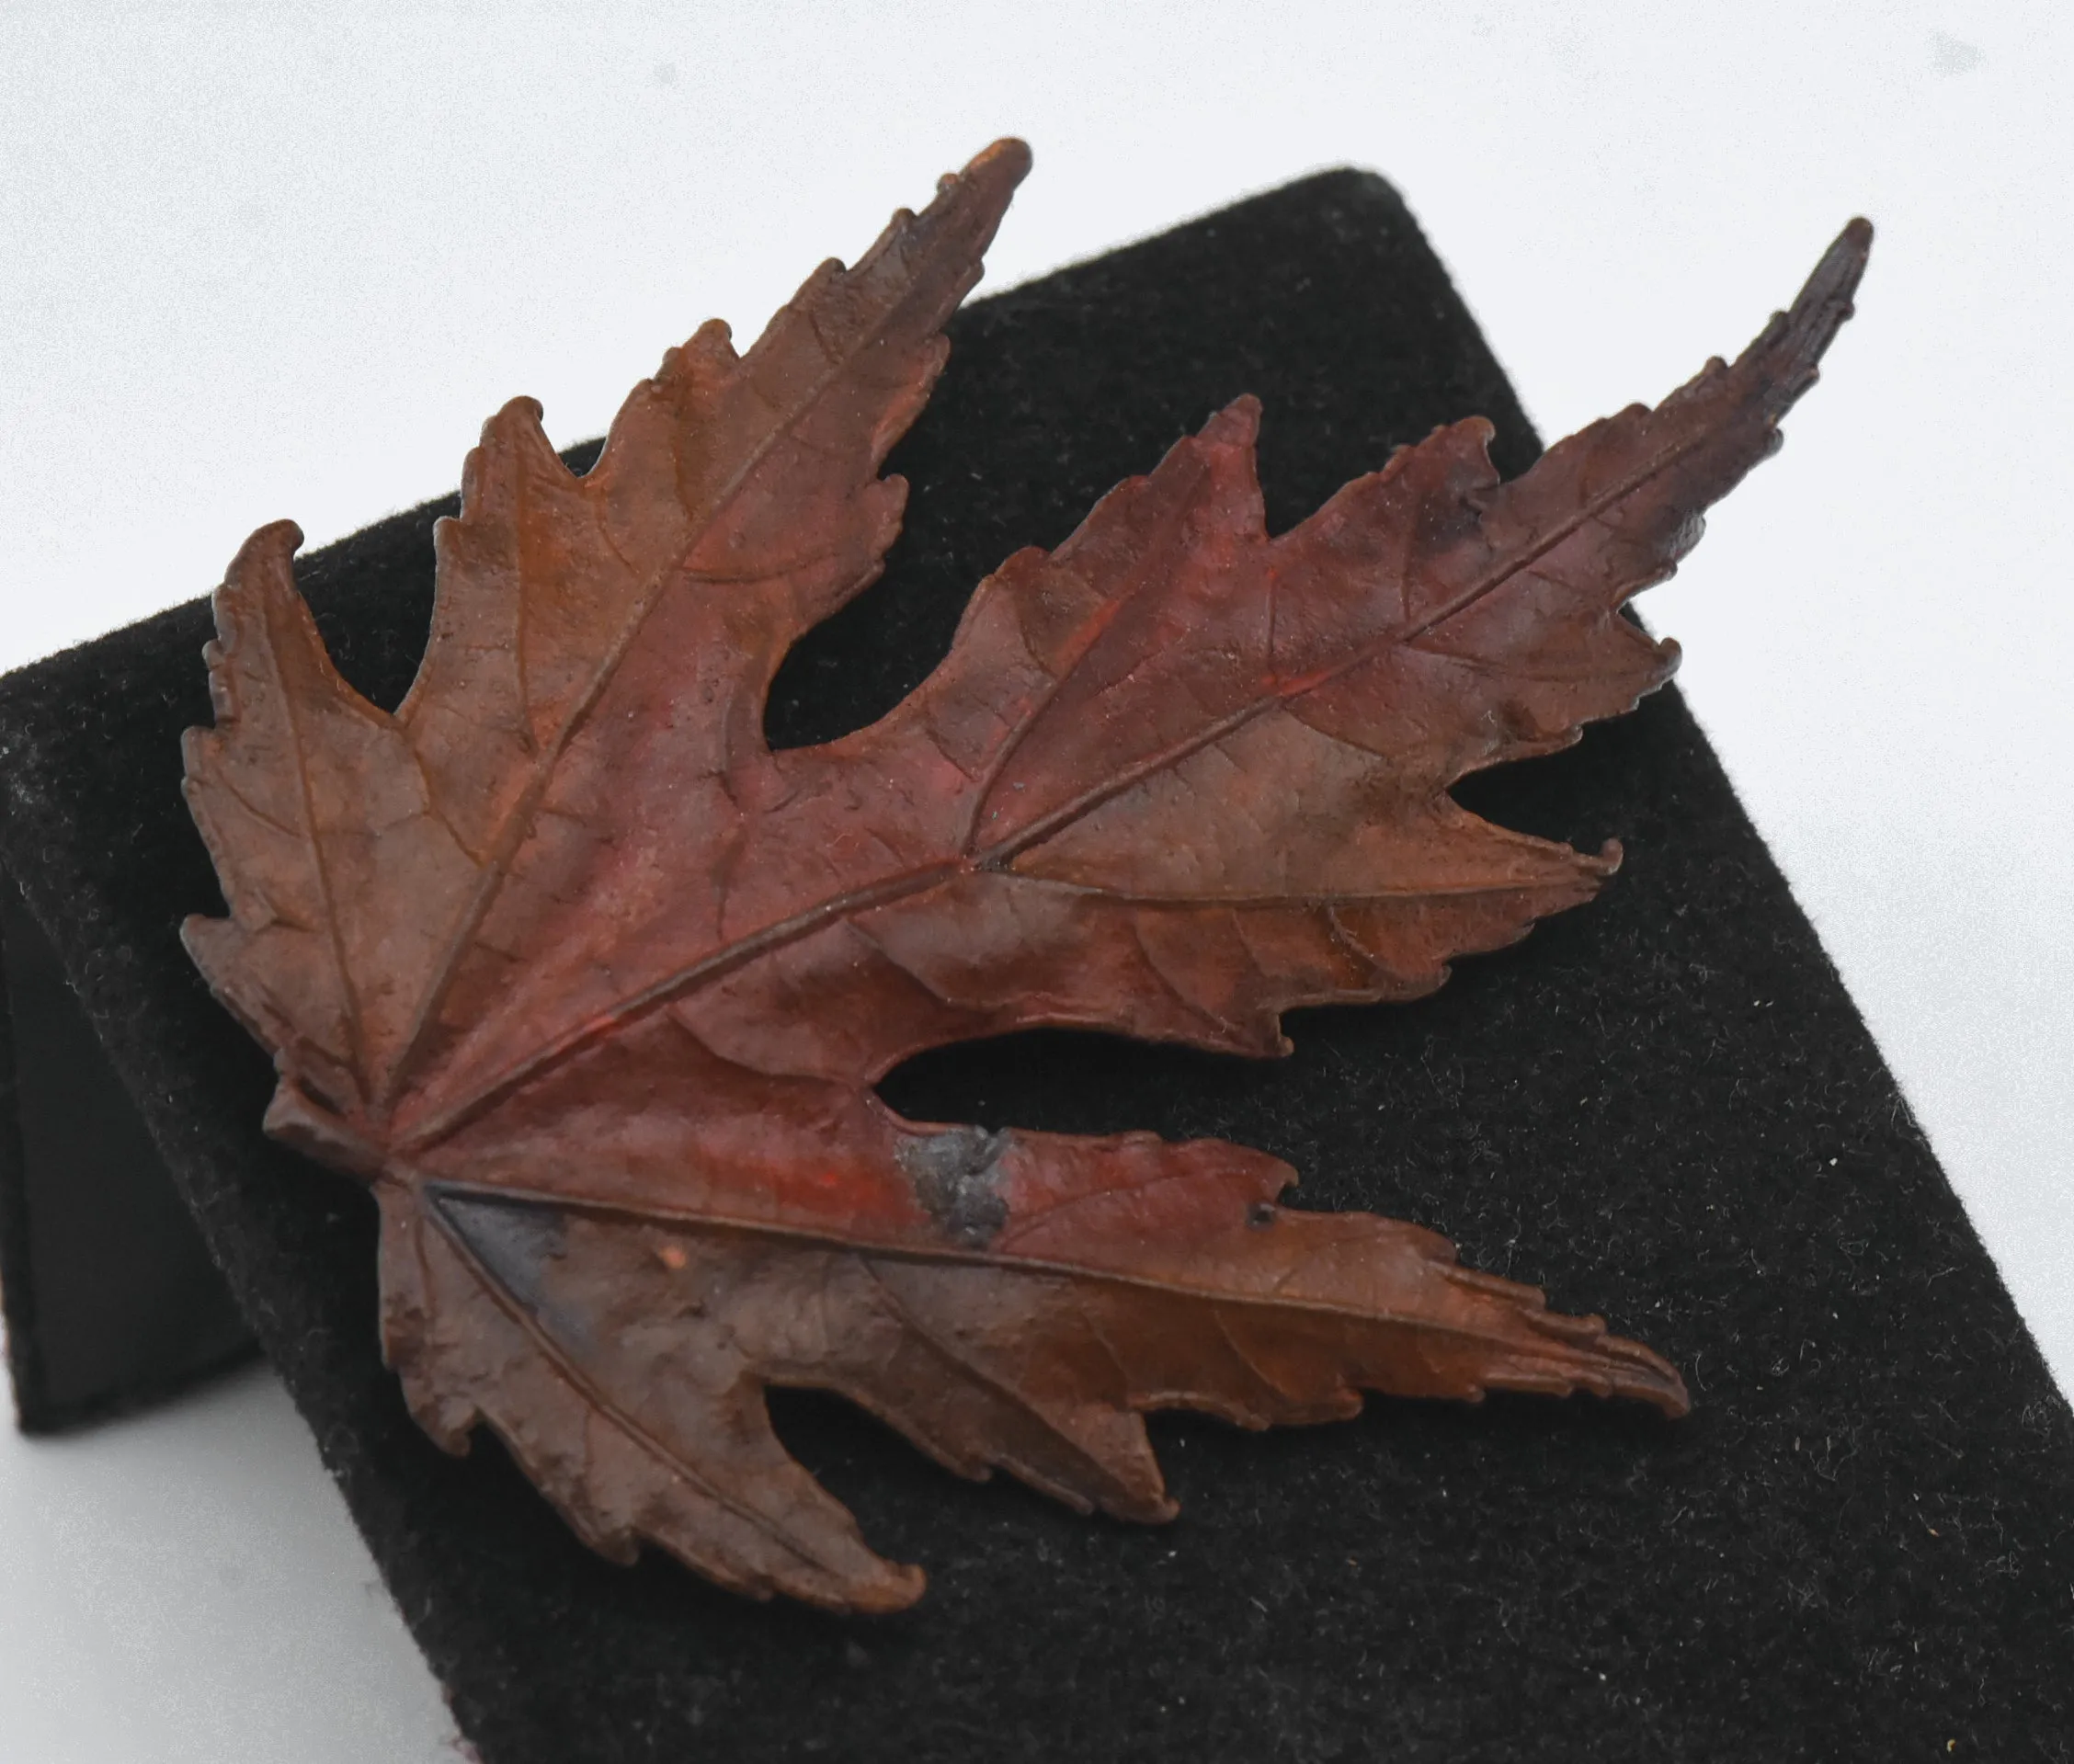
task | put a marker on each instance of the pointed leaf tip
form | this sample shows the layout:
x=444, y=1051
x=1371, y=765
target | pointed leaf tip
x=1643, y=1376
x=1237, y=425
x=1008, y=158
x=283, y=537
x=1836, y=278
x=1793, y=344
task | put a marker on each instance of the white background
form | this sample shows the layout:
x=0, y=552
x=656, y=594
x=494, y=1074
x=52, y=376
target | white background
x=269, y=263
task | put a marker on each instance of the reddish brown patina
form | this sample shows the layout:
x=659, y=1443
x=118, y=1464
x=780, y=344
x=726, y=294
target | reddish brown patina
x=594, y=988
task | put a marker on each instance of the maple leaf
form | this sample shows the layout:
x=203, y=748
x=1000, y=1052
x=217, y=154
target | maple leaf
x=594, y=988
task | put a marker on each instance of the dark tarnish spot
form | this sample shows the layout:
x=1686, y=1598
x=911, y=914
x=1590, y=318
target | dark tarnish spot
x=515, y=1241
x=955, y=1173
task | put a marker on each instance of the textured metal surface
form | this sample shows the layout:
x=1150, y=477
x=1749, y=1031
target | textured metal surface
x=594, y=987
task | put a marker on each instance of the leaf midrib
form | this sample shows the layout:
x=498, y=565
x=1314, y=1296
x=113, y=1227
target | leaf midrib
x=692, y=1220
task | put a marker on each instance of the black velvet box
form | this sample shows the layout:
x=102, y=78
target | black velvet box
x=1662, y=1106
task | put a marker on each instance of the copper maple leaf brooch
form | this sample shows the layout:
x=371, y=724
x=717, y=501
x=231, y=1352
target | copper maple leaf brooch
x=593, y=987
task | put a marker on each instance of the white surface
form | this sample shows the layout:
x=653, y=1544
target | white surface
x=278, y=263
x=185, y=1588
